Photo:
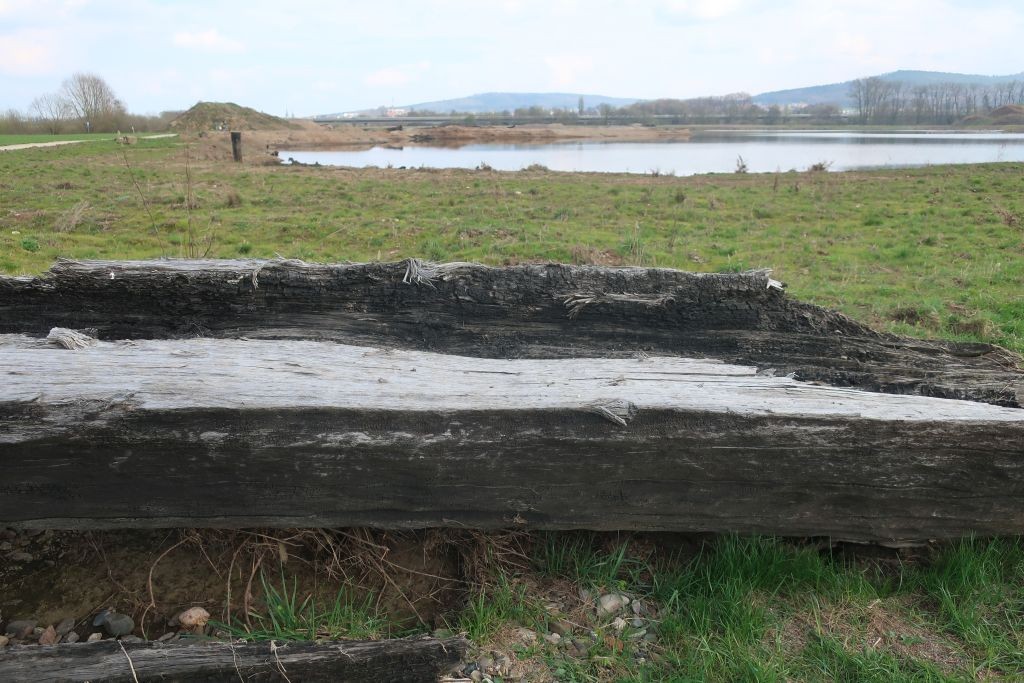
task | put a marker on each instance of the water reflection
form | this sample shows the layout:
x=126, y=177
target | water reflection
x=706, y=152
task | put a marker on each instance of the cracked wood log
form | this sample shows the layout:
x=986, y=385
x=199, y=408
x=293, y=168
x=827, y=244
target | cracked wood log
x=241, y=433
x=528, y=311
x=411, y=660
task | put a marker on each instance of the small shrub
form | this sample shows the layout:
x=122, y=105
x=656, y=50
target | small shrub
x=70, y=220
x=484, y=166
x=244, y=248
x=233, y=199
x=680, y=197
x=30, y=244
x=741, y=165
x=819, y=167
x=537, y=167
x=912, y=315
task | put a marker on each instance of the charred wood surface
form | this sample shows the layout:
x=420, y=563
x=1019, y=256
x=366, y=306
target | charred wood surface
x=529, y=311
x=240, y=433
x=412, y=660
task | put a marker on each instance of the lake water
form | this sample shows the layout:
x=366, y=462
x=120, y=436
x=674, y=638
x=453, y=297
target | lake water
x=706, y=152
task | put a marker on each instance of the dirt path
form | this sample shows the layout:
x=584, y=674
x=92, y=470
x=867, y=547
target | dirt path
x=27, y=145
x=57, y=143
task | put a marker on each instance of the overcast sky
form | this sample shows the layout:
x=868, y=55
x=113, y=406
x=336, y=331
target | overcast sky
x=309, y=57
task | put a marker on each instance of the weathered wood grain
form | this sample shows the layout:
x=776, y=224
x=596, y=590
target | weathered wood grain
x=412, y=660
x=528, y=311
x=236, y=433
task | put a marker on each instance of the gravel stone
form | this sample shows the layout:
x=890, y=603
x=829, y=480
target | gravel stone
x=611, y=604
x=561, y=627
x=118, y=624
x=526, y=636
x=65, y=626
x=20, y=628
x=70, y=638
x=93, y=637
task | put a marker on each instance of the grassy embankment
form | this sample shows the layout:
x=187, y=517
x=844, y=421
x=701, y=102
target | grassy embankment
x=933, y=252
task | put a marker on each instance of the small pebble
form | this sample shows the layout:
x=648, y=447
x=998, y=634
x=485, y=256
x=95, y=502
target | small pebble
x=443, y=633
x=194, y=618
x=4, y=640
x=93, y=637
x=561, y=627
x=651, y=638
x=165, y=637
x=485, y=663
x=20, y=556
x=131, y=639
x=553, y=638
x=619, y=624
x=637, y=623
x=71, y=638
x=65, y=626
x=526, y=636
x=476, y=676
x=610, y=604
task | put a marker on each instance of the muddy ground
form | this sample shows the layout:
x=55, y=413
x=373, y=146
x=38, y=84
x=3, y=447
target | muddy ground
x=311, y=135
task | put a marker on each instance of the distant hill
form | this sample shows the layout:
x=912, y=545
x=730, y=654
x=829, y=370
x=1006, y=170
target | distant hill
x=483, y=103
x=229, y=116
x=839, y=93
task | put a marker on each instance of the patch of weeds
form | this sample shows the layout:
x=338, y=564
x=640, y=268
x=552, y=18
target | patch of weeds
x=30, y=244
x=492, y=608
x=827, y=659
x=914, y=315
x=575, y=557
x=286, y=618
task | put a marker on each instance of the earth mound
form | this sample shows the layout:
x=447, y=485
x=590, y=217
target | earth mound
x=227, y=116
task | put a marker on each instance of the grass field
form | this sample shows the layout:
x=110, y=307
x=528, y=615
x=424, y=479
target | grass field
x=25, y=139
x=936, y=251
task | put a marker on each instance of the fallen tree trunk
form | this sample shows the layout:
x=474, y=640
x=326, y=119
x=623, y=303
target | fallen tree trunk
x=412, y=660
x=529, y=311
x=240, y=433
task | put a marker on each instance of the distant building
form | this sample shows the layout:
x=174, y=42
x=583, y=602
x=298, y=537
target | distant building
x=395, y=112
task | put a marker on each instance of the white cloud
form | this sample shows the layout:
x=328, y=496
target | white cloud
x=210, y=40
x=565, y=69
x=703, y=9
x=28, y=53
x=394, y=76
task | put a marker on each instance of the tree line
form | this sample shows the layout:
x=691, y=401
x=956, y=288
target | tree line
x=85, y=103
x=871, y=101
x=883, y=101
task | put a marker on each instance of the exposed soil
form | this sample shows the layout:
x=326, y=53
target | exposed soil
x=152, y=576
x=258, y=145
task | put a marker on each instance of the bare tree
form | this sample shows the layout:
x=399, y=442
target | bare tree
x=52, y=111
x=92, y=100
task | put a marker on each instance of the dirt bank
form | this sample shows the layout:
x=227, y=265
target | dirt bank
x=315, y=136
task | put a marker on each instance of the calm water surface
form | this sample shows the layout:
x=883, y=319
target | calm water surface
x=708, y=152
